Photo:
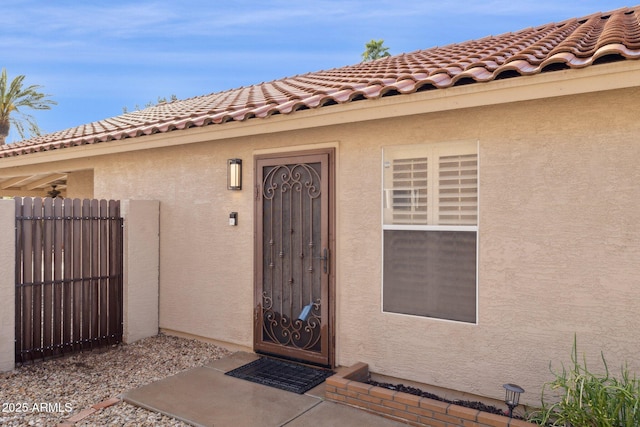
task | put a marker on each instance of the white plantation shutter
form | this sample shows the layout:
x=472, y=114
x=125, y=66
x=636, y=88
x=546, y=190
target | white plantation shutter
x=458, y=190
x=410, y=191
x=431, y=185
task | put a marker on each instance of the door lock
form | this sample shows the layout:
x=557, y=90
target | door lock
x=324, y=258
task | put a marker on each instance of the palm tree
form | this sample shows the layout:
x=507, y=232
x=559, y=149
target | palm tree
x=13, y=97
x=375, y=49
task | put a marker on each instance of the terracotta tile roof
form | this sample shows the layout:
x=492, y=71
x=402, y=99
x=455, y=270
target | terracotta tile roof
x=575, y=43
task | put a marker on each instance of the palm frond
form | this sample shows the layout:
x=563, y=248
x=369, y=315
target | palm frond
x=14, y=97
x=20, y=119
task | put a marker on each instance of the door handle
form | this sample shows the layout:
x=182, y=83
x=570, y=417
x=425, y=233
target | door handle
x=324, y=258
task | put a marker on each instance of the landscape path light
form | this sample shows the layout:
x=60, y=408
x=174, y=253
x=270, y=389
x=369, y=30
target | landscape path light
x=512, y=396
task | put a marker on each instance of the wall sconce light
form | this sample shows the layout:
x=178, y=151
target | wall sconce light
x=512, y=396
x=234, y=174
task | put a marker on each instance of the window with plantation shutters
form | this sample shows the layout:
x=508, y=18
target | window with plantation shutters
x=430, y=217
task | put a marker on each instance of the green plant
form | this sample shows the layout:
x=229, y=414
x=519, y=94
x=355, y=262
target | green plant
x=581, y=398
x=375, y=49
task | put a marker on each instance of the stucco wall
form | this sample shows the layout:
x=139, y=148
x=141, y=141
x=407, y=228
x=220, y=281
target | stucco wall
x=7, y=286
x=141, y=268
x=558, y=247
x=80, y=184
x=559, y=240
x=205, y=265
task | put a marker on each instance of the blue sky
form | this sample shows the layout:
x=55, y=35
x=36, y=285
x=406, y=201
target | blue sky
x=95, y=58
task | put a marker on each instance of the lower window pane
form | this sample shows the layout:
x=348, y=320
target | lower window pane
x=430, y=273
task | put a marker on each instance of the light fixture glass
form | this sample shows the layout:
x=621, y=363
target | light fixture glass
x=234, y=174
x=512, y=396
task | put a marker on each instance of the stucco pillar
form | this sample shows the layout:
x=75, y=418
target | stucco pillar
x=141, y=268
x=7, y=284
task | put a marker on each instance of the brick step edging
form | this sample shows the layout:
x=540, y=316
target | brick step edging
x=350, y=387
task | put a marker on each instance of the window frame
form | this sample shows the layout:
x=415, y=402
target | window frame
x=442, y=149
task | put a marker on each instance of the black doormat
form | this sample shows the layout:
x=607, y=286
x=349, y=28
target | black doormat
x=280, y=374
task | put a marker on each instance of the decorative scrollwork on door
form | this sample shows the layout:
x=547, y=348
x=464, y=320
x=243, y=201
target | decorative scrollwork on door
x=292, y=256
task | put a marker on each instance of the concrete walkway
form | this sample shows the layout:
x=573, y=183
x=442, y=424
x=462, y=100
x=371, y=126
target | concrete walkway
x=204, y=396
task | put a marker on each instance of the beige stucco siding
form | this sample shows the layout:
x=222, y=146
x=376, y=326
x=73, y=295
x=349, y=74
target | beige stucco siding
x=80, y=184
x=206, y=266
x=559, y=234
x=559, y=240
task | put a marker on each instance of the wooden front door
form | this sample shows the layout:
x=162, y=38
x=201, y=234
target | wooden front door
x=293, y=298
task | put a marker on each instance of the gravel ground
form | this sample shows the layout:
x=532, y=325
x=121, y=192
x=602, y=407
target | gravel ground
x=47, y=393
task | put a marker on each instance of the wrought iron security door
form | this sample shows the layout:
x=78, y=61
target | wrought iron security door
x=293, y=258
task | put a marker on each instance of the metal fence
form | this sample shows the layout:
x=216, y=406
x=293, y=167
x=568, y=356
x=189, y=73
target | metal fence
x=68, y=276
